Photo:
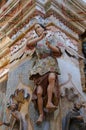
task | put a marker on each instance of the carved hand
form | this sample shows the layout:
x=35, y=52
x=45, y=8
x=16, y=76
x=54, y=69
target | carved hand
x=43, y=35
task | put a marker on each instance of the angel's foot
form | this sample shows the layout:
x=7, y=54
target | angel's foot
x=51, y=106
x=40, y=119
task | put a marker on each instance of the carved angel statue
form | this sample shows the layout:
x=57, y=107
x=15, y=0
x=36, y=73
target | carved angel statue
x=45, y=71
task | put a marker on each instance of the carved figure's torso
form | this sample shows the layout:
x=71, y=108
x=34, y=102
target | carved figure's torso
x=45, y=61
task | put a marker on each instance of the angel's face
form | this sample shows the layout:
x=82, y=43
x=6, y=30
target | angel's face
x=39, y=29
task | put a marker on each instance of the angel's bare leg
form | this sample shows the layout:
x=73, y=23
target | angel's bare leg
x=50, y=89
x=40, y=104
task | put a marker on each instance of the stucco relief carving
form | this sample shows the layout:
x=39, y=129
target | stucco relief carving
x=69, y=44
x=69, y=49
x=17, y=106
x=69, y=90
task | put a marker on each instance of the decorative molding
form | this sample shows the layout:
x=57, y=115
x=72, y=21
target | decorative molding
x=39, y=6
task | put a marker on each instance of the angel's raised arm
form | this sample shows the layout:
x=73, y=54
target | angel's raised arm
x=33, y=41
